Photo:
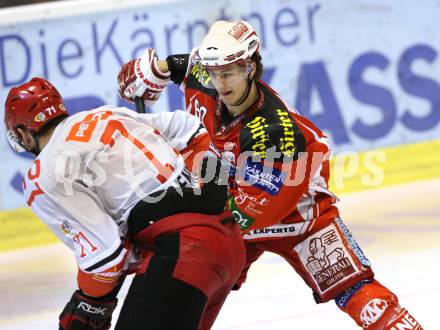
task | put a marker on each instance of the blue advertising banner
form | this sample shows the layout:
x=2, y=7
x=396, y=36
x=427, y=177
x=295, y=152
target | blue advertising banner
x=366, y=72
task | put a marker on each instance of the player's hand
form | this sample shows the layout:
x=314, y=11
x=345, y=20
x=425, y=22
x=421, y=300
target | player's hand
x=87, y=313
x=211, y=199
x=142, y=78
x=214, y=193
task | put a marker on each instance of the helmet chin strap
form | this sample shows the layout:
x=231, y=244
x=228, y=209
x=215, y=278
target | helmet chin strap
x=245, y=94
x=36, y=149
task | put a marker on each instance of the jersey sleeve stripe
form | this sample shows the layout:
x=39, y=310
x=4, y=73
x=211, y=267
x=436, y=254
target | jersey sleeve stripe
x=106, y=260
x=200, y=130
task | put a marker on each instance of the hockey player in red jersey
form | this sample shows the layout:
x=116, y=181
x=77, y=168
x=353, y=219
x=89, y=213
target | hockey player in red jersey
x=113, y=186
x=278, y=166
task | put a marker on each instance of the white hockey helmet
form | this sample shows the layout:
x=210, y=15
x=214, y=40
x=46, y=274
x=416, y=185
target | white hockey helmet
x=227, y=43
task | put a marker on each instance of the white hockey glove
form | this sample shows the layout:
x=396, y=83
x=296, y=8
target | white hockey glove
x=142, y=78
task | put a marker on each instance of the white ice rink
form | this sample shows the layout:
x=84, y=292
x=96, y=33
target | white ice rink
x=397, y=227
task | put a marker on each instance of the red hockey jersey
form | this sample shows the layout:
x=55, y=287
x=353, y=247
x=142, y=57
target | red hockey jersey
x=278, y=160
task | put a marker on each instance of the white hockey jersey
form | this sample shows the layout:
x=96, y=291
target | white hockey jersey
x=97, y=165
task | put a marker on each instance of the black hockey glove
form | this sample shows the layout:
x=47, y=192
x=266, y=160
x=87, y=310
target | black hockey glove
x=210, y=199
x=87, y=313
x=215, y=190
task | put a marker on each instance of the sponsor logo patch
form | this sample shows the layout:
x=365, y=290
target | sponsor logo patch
x=242, y=198
x=287, y=141
x=405, y=322
x=200, y=74
x=344, y=298
x=242, y=219
x=267, y=179
x=91, y=309
x=238, y=30
x=372, y=311
x=257, y=129
x=353, y=244
x=326, y=258
x=279, y=230
x=210, y=58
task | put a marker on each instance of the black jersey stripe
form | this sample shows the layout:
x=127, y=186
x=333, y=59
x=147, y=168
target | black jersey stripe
x=104, y=261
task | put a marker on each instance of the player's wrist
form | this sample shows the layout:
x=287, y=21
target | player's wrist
x=162, y=65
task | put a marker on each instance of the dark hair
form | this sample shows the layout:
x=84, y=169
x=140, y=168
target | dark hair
x=256, y=57
x=50, y=126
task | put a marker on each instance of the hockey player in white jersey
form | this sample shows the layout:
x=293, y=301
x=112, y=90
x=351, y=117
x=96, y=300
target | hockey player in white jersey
x=113, y=185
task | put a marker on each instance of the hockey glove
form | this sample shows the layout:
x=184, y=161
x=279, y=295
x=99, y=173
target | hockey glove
x=87, y=313
x=211, y=199
x=142, y=78
x=214, y=192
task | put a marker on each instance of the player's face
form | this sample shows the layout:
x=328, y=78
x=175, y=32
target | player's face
x=230, y=82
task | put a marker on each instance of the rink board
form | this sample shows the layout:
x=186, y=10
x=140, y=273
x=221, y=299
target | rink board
x=352, y=172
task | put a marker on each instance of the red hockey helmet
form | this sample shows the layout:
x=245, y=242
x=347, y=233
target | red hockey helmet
x=31, y=105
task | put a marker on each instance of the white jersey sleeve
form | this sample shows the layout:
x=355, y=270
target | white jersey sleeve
x=78, y=219
x=178, y=127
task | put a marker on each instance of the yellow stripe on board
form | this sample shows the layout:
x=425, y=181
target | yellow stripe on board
x=350, y=172
x=384, y=167
x=21, y=228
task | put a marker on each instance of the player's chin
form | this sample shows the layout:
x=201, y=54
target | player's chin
x=228, y=99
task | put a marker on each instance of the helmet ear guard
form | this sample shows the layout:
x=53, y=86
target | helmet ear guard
x=14, y=141
x=249, y=67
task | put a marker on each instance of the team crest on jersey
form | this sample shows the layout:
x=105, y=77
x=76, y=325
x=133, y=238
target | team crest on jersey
x=66, y=227
x=326, y=258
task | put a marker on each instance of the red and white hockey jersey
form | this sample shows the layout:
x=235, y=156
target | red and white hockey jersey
x=97, y=165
